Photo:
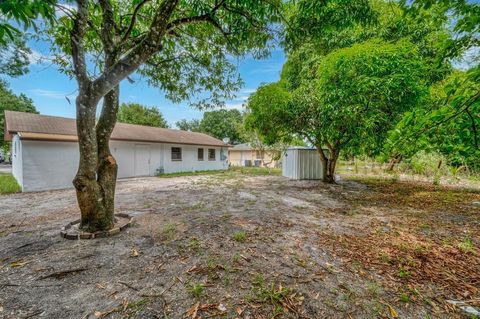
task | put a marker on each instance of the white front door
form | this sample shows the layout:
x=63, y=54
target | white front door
x=142, y=160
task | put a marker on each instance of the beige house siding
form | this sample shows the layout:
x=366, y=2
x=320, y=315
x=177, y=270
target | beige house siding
x=238, y=158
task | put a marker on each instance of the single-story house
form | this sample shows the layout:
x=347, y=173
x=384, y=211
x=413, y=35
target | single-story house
x=247, y=155
x=45, y=152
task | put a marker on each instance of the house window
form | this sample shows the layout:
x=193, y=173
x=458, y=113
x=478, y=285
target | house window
x=176, y=153
x=200, y=154
x=211, y=154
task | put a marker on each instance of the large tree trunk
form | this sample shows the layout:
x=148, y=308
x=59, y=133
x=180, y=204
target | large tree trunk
x=97, y=173
x=328, y=164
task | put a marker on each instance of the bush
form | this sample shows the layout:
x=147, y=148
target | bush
x=8, y=184
x=429, y=164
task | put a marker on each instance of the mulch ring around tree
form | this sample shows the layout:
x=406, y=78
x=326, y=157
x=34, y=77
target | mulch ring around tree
x=73, y=232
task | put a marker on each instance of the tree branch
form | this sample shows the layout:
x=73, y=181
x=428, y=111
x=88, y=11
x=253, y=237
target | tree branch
x=133, y=21
x=207, y=17
x=108, y=26
x=474, y=128
x=78, y=51
x=148, y=46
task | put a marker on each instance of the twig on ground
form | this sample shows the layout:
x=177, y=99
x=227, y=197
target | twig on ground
x=63, y=273
x=128, y=285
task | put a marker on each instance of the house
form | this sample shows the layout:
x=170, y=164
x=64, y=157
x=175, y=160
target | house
x=302, y=163
x=247, y=155
x=45, y=151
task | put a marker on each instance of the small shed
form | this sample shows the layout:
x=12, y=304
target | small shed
x=301, y=163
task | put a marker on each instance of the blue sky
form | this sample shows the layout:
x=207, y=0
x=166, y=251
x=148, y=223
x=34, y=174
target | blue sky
x=48, y=87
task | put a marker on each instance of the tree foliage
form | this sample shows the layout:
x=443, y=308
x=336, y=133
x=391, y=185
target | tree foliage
x=223, y=124
x=12, y=102
x=14, y=57
x=24, y=13
x=219, y=123
x=135, y=113
x=268, y=114
x=349, y=101
x=14, y=54
x=448, y=122
x=188, y=125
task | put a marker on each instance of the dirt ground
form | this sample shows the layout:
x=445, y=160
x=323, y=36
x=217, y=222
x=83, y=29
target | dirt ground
x=240, y=246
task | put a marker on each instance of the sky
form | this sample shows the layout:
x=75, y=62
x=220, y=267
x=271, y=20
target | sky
x=51, y=90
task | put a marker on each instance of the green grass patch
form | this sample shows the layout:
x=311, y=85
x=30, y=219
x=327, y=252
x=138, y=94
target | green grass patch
x=195, y=173
x=240, y=236
x=231, y=172
x=195, y=289
x=8, y=184
x=261, y=171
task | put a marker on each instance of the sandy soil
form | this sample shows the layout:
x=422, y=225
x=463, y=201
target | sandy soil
x=240, y=246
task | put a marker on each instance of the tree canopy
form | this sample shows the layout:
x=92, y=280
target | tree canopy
x=12, y=102
x=219, y=123
x=135, y=113
x=448, y=122
x=14, y=15
x=188, y=125
x=349, y=102
x=185, y=48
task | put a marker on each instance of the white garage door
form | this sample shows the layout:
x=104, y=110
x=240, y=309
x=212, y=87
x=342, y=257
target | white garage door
x=142, y=160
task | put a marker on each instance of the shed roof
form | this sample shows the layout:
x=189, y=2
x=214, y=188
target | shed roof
x=52, y=128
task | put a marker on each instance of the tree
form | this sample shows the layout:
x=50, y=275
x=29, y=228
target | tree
x=267, y=113
x=183, y=47
x=355, y=95
x=186, y=125
x=464, y=23
x=220, y=124
x=448, y=122
x=10, y=101
x=135, y=113
x=223, y=124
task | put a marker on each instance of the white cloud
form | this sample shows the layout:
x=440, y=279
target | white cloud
x=49, y=93
x=36, y=57
x=247, y=91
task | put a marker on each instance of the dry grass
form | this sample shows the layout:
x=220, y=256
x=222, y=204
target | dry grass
x=239, y=245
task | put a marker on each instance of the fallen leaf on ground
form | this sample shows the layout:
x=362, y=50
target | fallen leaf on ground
x=134, y=252
x=16, y=264
x=192, y=312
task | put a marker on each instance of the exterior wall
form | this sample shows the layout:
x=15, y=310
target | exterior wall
x=237, y=158
x=190, y=160
x=17, y=160
x=53, y=165
x=49, y=165
x=302, y=164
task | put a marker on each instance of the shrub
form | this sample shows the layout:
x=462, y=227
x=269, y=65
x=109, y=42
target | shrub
x=429, y=164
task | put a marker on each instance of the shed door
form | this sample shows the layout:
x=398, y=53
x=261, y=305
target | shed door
x=142, y=160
